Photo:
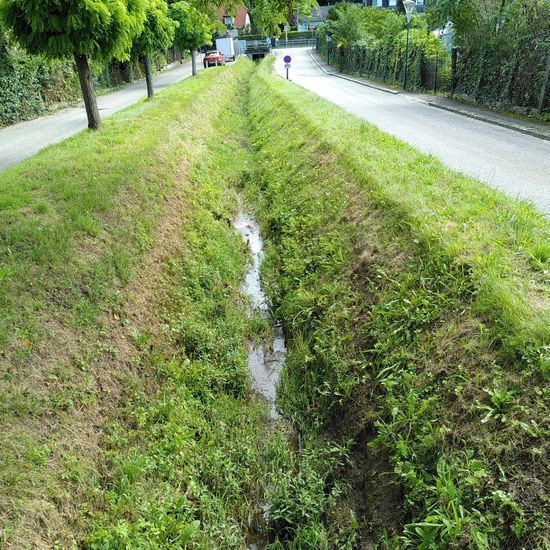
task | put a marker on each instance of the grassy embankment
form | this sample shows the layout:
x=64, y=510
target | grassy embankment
x=123, y=341
x=202, y=458
x=77, y=220
x=126, y=414
x=416, y=301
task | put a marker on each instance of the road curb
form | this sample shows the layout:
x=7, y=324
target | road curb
x=493, y=121
x=344, y=77
x=488, y=120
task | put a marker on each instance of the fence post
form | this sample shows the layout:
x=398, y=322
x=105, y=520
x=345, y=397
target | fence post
x=454, y=76
x=436, y=64
x=544, y=84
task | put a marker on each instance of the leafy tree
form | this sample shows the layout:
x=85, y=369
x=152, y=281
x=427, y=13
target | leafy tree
x=298, y=9
x=348, y=27
x=194, y=29
x=470, y=18
x=211, y=8
x=20, y=96
x=85, y=29
x=269, y=15
x=157, y=35
x=382, y=23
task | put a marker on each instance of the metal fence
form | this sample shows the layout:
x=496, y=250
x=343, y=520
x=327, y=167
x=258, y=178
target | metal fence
x=296, y=43
x=387, y=65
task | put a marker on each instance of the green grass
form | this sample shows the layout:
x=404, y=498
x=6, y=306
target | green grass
x=504, y=242
x=127, y=410
x=184, y=463
x=193, y=465
x=416, y=300
x=76, y=221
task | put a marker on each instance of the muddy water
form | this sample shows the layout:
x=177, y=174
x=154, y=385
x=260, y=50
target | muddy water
x=264, y=362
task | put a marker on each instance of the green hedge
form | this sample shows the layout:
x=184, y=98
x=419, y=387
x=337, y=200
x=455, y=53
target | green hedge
x=31, y=84
x=19, y=87
x=292, y=35
x=505, y=67
x=367, y=42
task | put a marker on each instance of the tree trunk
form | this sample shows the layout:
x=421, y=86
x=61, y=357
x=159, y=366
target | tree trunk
x=115, y=77
x=193, y=62
x=88, y=92
x=126, y=71
x=148, y=75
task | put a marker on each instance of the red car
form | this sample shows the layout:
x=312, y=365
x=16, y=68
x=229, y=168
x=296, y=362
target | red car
x=213, y=57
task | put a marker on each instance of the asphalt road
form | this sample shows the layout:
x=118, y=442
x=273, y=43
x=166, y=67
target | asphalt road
x=24, y=139
x=515, y=163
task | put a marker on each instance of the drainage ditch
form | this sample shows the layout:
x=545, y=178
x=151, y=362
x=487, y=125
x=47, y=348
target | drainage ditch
x=265, y=362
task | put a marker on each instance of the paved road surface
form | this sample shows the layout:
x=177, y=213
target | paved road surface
x=515, y=163
x=24, y=139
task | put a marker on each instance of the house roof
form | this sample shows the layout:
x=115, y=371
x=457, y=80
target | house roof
x=240, y=19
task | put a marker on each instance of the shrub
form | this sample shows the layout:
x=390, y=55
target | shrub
x=372, y=42
x=298, y=35
x=19, y=84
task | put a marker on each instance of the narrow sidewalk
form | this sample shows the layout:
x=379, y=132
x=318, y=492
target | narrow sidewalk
x=24, y=139
x=532, y=128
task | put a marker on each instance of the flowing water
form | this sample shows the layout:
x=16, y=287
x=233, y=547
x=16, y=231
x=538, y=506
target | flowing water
x=264, y=362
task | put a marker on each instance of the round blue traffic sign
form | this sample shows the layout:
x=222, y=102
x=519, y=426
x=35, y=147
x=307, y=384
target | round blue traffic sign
x=287, y=59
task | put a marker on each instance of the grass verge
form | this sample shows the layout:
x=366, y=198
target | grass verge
x=416, y=300
x=417, y=327
x=184, y=461
x=86, y=225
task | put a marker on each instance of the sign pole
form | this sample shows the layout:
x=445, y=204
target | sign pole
x=287, y=59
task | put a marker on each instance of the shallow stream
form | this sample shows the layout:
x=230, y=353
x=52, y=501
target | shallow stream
x=264, y=362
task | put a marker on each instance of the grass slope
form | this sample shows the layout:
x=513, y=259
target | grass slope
x=127, y=417
x=416, y=301
x=184, y=461
x=84, y=227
